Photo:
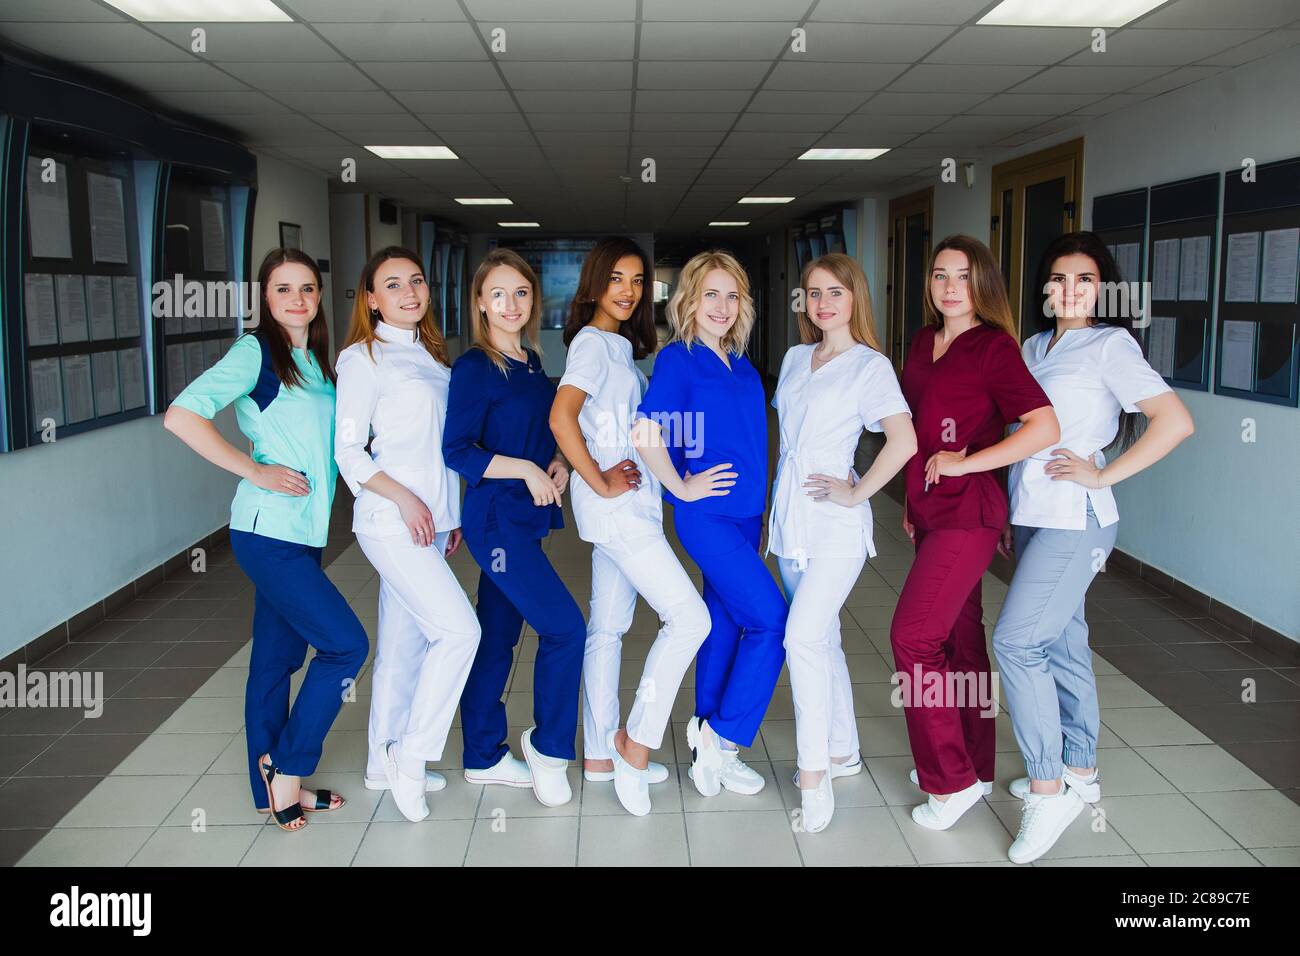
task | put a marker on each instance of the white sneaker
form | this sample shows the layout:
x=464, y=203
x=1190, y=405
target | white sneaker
x=630, y=784
x=1088, y=788
x=550, y=777
x=706, y=757
x=941, y=814
x=911, y=775
x=738, y=776
x=509, y=771
x=1043, y=819
x=838, y=769
x=655, y=773
x=433, y=782
x=407, y=792
x=818, y=805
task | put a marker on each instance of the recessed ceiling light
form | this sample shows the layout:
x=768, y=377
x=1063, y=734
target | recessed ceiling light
x=767, y=199
x=202, y=11
x=728, y=223
x=519, y=225
x=490, y=201
x=412, y=152
x=1080, y=13
x=843, y=153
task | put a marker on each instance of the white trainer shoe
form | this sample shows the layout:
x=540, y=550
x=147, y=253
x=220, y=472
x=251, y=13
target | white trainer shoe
x=433, y=782
x=631, y=785
x=655, y=773
x=911, y=775
x=818, y=805
x=1043, y=818
x=550, y=777
x=706, y=757
x=738, y=776
x=838, y=770
x=941, y=814
x=509, y=771
x=1088, y=788
x=407, y=792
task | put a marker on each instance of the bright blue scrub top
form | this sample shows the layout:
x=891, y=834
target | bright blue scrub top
x=490, y=413
x=710, y=414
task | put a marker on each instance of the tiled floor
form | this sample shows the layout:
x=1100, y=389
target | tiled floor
x=160, y=779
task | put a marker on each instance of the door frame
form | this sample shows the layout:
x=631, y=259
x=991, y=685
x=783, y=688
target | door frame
x=900, y=208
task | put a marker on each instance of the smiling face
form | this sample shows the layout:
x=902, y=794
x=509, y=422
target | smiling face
x=1072, y=286
x=950, y=284
x=507, y=298
x=718, y=306
x=830, y=304
x=623, y=294
x=293, y=295
x=400, y=296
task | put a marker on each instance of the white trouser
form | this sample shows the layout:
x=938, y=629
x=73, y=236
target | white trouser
x=824, y=725
x=428, y=634
x=637, y=559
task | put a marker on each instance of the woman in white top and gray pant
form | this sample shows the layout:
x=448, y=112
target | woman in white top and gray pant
x=393, y=377
x=1064, y=522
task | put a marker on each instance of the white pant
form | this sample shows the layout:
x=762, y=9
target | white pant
x=428, y=634
x=824, y=725
x=637, y=559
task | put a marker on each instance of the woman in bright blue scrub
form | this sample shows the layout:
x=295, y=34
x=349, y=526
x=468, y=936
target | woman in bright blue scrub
x=282, y=385
x=705, y=414
x=498, y=437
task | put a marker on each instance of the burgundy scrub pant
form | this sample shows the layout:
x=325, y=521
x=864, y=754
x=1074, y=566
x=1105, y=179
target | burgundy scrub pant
x=938, y=626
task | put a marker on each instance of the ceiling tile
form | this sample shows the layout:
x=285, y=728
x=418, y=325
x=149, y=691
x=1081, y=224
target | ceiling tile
x=900, y=11
x=604, y=101
x=676, y=75
x=807, y=75
x=168, y=77
x=693, y=101
x=583, y=11
x=1173, y=80
x=937, y=78
x=868, y=43
x=472, y=121
x=1034, y=104
x=102, y=42
x=1086, y=79
x=994, y=45
x=387, y=40
x=349, y=11
x=1266, y=45
x=433, y=76
x=1161, y=47
x=318, y=77
x=1260, y=14
x=561, y=41
x=782, y=101
x=920, y=104
x=231, y=42
x=473, y=102
x=362, y=101
x=682, y=121
x=555, y=122
x=568, y=75
x=711, y=40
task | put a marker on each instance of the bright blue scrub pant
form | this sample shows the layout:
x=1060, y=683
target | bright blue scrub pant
x=517, y=584
x=297, y=606
x=735, y=675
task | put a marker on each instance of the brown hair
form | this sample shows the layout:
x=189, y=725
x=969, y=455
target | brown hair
x=593, y=281
x=845, y=269
x=364, y=319
x=276, y=339
x=686, y=297
x=988, y=293
x=482, y=328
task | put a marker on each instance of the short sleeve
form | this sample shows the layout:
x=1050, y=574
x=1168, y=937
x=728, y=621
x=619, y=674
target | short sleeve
x=1127, y=373
x=356, y=394
x=878, y=393
x=234, y=376
x=1011, y=385
x=669, y=386
x=467, y=407
x=586, y=365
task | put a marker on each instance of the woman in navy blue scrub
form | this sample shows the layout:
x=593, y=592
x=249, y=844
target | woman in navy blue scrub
x=498, y=437
x=705, y=415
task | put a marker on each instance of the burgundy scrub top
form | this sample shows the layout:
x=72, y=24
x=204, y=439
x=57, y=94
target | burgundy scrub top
x=964, y=400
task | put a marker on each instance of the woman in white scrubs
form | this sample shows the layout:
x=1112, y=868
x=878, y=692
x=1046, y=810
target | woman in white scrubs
x=831, y=387
x=392, y=381
x=617, y=507
x=1064, y=521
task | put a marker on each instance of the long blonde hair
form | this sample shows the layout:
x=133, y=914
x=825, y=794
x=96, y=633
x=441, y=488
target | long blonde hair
x=988, y=293
x=686, y=298
x=362, y=326
x=847, y=272
x=482, y=327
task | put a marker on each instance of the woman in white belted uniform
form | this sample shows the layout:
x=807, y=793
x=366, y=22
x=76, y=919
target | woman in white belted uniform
x=831, y=387
x=392, y=380
x=618, y=508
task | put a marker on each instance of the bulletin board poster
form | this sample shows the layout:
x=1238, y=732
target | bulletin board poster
x=557, y=263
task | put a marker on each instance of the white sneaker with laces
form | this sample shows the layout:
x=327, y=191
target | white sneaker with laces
x=911, y=775
x=706, y=757
x=433, y=782
x=632, y=786
x=550, y=774
x=941, y=814
x=738, y=777
x=509, y=771
x=1088, y=788
x=818, y=805
x=1043, y=818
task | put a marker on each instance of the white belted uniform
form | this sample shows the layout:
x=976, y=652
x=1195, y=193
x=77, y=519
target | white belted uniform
x=630, y=555
x=428, y=632
x=823, y=546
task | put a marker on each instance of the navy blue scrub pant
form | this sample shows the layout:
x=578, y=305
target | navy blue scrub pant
x=297, y=607
x=737, y=667
x=517, y=584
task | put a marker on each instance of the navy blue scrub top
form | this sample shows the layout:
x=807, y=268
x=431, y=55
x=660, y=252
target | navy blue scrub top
x=711, y=414
x=489, y=414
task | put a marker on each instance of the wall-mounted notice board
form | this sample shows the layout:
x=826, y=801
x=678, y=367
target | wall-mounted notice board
x=1120, y=219
x=1259, y=300
x=1182, y=260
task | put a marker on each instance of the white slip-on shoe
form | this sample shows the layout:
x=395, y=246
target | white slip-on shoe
x=837, y=769
x=818, y=805
x=433, y=782
x=941, y=814
x=550, y=774
x=509, y=771
x=655, y=773
x=986, y=784
x=1043, y=818
x=630, y=784
x=738, y=776
x=1088, y=788
x=407, y=792
x=706, y=758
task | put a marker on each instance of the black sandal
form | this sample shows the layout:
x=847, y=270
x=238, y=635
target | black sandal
x=324, y=799
x=282, y=817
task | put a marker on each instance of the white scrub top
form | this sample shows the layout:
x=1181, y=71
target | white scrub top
x=1090, y=375
x=822, y=415
x=401, y=396
x=600, y=364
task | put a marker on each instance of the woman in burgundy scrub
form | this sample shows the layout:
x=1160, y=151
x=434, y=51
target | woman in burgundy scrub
x=965, y=381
